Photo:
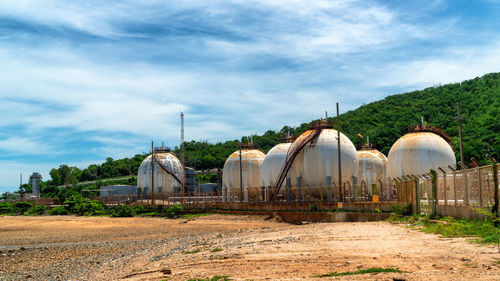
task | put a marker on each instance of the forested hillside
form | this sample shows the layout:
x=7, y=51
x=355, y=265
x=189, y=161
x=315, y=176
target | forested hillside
x=384, y=121
x=388, y=119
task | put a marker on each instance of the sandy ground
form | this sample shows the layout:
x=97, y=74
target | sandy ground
x=245, y=248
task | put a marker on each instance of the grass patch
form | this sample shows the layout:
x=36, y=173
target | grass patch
x=190, y=216
x=216, y=250
x=150, y=214
x=361, y=271
x=192, y=252
x=215, y=278
x=484, y=230
x=448, y=227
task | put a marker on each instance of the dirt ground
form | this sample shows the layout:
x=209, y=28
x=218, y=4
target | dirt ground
x=243, y=247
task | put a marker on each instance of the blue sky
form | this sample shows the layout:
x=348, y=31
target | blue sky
x=84, y=80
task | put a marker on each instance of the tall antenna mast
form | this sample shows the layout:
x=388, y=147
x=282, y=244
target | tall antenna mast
x=182, y=139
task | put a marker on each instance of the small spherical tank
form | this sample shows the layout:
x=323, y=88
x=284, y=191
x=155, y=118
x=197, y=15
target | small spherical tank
x=251, y=162
x=372, y=168
x=164, y=183
x=416, y=153
x=317, y=163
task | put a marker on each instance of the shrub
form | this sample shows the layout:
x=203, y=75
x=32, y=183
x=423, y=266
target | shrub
x=150, y=214
x=174, y=210
x=21, y=207
x=143, y=209
x=73, y=202
x=6, y=208
x=123, y=211
x=401, y=209
x=90, y=208
x=36, y=210
x=58, y=211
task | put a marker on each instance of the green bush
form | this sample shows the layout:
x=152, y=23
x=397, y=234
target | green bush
x=174, y=210
x=6, y=208
x=123, y=211
x=73, y=202
x=21, y=207
x=58, y=211
x=401, y=209
x=90, y=208
x=36, y=210
x=143, y=209
x=150, y=214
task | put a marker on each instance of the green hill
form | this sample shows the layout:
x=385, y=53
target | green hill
x=388, y=119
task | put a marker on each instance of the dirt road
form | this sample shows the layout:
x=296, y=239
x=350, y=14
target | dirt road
x=245, y=248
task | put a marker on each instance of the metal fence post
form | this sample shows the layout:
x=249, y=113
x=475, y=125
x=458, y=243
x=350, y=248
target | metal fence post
x=417, y=195
x=444, y=187
x=464, y=171
x=480, y=188
x=454, y=183
x=495, y=184
x=495, y=192
x=433, y=175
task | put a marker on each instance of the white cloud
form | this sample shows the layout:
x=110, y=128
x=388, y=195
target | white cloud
x=454, y=64
x=24, y=145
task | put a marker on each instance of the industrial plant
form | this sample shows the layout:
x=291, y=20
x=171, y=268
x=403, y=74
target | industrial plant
x=320, y=166
x=312, y=166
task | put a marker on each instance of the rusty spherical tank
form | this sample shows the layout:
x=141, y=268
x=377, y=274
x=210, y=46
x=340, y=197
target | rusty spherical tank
x=164, y=183
x=372, y=168
x=251, y=162
x=317, y=163
x=416, y=153
x=273, y=162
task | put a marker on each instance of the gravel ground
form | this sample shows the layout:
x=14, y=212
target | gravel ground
x=77, y=248
x=245, y=248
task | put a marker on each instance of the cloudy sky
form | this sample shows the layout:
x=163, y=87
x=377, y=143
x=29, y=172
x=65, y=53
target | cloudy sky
x=84, y=80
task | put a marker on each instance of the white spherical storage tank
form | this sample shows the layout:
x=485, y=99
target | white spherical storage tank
x=372, y=168
x=251, y=162
x=273, y=162
x=164, y=183
x=317, y=163
x=416, y=153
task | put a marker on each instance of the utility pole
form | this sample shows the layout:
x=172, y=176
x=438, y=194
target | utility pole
x=338, y=150
x=459, y=119
x=21, y=184
x=241, y=178
x=182, y=139
x=152, y=174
